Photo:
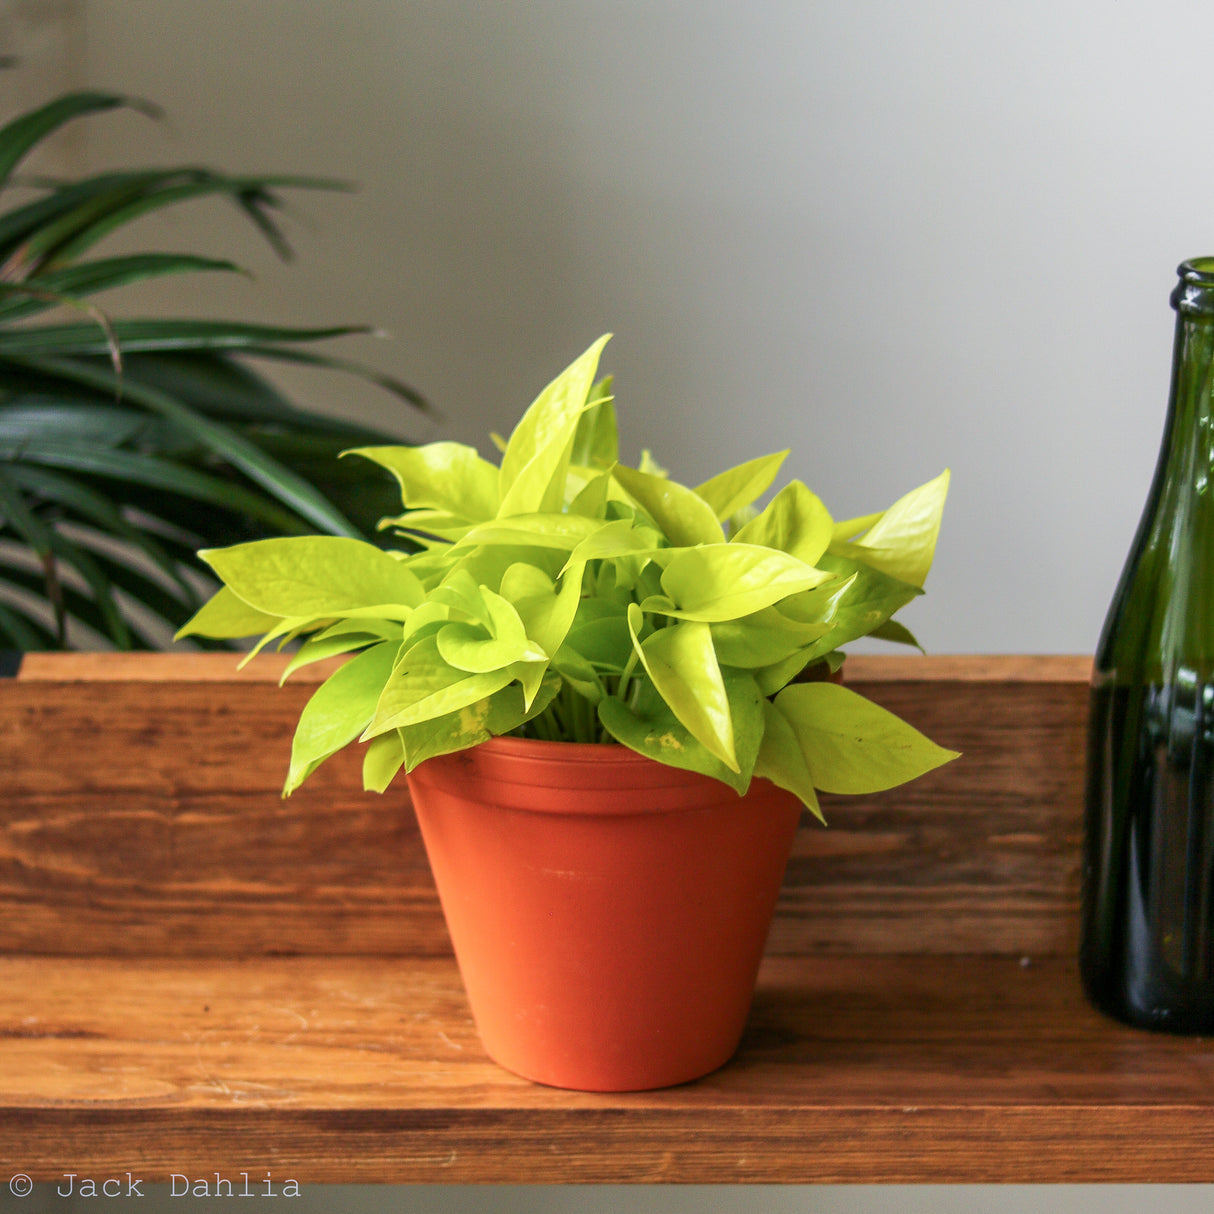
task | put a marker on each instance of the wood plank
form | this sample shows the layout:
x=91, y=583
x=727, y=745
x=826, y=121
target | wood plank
x=268, y=667
x=872, y=1069
x=170, y=667
x=140, y=812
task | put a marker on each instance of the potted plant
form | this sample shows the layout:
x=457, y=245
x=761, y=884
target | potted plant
x=598, y=683
x=126, y=444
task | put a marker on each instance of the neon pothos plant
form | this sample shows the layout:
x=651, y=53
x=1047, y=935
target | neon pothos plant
x=568, y=597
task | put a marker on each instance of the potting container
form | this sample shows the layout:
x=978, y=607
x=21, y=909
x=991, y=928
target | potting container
x=608, y=912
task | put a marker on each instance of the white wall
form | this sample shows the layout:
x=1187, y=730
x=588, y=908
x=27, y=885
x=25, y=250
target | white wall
x=893, y=237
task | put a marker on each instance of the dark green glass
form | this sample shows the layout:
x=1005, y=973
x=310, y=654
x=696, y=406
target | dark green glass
x=1147, y=951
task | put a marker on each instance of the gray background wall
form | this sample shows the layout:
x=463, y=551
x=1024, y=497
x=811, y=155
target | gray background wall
x=891, y=236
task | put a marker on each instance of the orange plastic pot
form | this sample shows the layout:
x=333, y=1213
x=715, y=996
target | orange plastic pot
x=608, y=912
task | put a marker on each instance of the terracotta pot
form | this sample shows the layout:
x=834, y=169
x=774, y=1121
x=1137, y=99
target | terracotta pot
x=608, y=912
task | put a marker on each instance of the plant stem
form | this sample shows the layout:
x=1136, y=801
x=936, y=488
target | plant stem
x=625, y=675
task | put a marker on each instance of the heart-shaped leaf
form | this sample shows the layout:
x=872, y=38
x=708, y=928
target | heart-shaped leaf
x=732, y=490
x=316, y=576
x=537, y=453
x=648, y=726
x=423, y=686
x=850, y=744
x=726, y=581
x=683, y=665
x=683, y=516
x=781, y=761
x=501, y=713
x=499, y=642
x=226, y=615
x=902, y=542
x=338, y=711
x=795, y=521
x=444, y=476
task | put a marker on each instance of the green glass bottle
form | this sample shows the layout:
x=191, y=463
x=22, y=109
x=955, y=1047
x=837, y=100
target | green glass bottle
x=1147, y=951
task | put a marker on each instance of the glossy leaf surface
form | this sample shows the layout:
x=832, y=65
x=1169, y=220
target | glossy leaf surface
x=682, y=664
x=851, y=745
x=316, y=576
x=726, y=581
x=338, y=711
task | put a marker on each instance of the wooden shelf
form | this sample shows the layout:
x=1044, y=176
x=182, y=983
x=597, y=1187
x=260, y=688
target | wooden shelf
x=198, y=977
x=886, y=1069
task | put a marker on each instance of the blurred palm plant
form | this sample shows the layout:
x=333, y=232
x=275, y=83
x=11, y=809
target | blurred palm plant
x=125, y=445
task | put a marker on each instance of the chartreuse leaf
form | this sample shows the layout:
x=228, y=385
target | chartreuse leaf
x=427, y=620
x=851, y=528
x=224, y=615
x=284, y=630
x=726, y=581
x=902, y=542
x=430, y=528
x=531, y=677
x=650, y=466
x=536, y=458
x=683, y=665
x=730, y=491
x=795, y=521
x=522, y=582
x=764, y=638
x=499, y=642
x=382, y=759
x=500, y=713
x=338, y=711
x=869, y=599
x=343, y=637
x=683, y=516
x=600, y=634
x=781, y=761
x=383, y=630
x=898, y=633
x=563, y=531
x=461, y=591
x=487, y=565
x=620, y=537
x=850, y=744
x=423, y=687
x=579, y=673
x=780, y=674
x=316, y=576
x=596, y=441
x=546, y=612
x=589, y=494
x=649, y=727
x=448, y=477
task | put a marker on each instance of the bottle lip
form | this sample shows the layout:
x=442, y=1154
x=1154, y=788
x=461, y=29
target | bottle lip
x=1194, y=292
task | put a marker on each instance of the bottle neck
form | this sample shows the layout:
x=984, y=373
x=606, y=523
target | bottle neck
x=1187, y=447
x=1186, y=457
x=1162, y=618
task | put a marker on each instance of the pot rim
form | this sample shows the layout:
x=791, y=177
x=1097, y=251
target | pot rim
x=597, y=778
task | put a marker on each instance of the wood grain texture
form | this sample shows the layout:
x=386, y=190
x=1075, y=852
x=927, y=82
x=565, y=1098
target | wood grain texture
x=874, y=1069
x=140, y=813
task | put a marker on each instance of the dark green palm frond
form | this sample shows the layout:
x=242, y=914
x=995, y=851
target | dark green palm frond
x=127, y=444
